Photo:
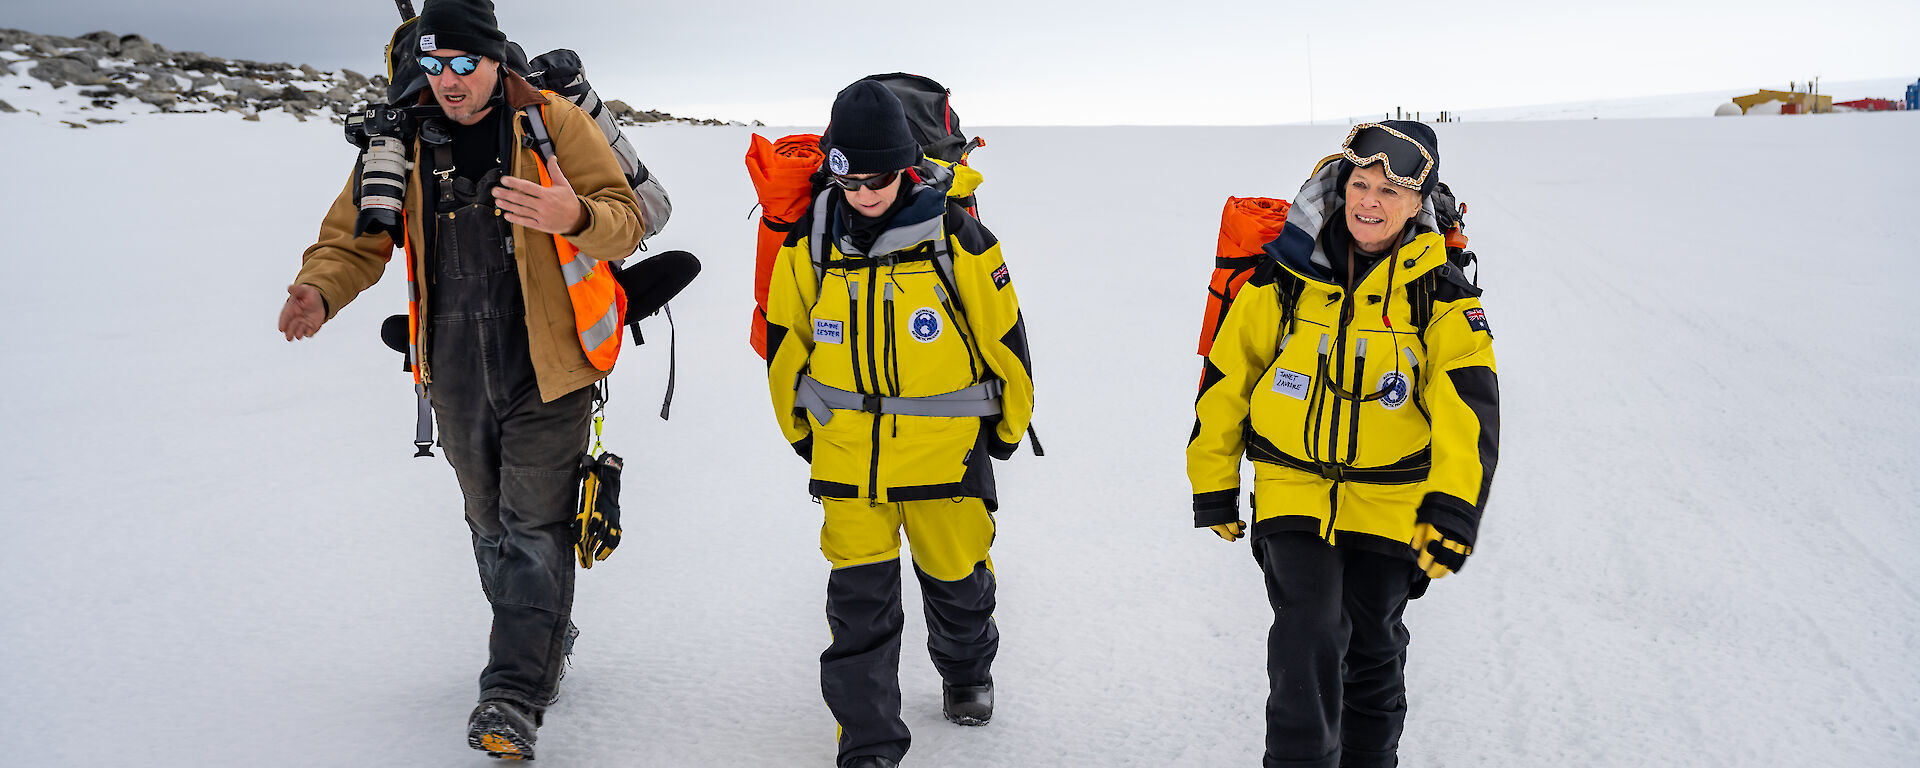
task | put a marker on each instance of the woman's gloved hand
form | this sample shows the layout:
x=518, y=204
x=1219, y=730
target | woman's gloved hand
x=1230, y=531
x=1440, y=552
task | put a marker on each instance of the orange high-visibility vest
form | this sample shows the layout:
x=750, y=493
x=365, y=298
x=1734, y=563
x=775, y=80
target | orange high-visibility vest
x=598, y=301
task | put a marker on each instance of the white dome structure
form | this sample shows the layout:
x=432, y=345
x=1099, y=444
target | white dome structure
x=1728, y=109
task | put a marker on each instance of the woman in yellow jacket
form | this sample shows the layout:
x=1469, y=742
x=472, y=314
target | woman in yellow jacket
x=1355, y=369
x=897, y=362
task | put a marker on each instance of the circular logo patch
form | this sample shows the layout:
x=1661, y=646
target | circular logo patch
x=1394, y=384
x=925, y=325
x=837, y=161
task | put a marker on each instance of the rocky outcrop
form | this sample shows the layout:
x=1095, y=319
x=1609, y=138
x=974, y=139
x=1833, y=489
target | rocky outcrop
x=112, y=69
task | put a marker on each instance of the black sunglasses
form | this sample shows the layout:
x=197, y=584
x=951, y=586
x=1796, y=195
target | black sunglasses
x=461, y=65
x=1407, y=161
x=874, y=183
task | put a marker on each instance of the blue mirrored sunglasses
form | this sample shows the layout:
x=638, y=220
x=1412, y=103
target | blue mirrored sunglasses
x=461, y=65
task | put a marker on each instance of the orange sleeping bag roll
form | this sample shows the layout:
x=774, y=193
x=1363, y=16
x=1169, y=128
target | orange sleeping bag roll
x=1247, y=224
x=782, y=174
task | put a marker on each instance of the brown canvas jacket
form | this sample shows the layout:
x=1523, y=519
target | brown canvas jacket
x=341, y=265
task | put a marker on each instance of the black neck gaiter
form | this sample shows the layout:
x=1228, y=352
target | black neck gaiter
x=863, y=230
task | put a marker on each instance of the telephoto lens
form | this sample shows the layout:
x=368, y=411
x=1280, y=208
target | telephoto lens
x=384, y=135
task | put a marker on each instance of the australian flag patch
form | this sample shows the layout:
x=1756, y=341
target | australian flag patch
x=1000, y=278
x=1477, y=319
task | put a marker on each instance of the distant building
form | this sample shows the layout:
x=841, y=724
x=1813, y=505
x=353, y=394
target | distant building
x=1913, y=95
x=1791, y=102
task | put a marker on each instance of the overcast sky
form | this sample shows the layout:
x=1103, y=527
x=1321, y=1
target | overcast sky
x=1039, y=62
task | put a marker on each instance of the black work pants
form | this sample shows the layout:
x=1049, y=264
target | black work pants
x=516, y=457
x=1336, y=655
x=860, y=670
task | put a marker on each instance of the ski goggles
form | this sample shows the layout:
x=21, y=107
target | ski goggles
x=876, y=183
x=1406, y=161
x=461, y=65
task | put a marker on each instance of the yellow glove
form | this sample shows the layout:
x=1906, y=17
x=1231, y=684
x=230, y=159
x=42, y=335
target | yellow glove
x=1230, y=531
x=1439, y=553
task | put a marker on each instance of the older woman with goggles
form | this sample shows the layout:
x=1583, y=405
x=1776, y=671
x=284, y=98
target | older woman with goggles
x=1356, y=371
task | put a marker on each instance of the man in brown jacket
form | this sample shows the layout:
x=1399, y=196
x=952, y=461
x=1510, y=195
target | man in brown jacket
x=495, y=339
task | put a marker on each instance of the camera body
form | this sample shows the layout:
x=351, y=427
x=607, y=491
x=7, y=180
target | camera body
x=384, y=135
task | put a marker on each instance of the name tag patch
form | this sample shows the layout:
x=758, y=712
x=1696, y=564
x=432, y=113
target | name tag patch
x=826, y=332
x=1291, y=384
x=1001, y=278
x=1477, y=319
x=427, y=43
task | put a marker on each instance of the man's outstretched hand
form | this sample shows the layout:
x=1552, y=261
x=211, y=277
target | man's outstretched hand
x=304, y=312
x=554, y=210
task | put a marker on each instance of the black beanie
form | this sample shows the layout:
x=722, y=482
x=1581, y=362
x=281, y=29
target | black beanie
x=1424, y=135
x=869, y=132
x=462, y=25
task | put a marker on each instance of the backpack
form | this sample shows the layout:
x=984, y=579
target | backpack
x=1247, y=224
x=934, y=124
x=560, y=71
x=788, y=177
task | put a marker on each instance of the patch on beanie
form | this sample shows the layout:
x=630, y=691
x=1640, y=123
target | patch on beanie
x=427, y=43
x=837, y=162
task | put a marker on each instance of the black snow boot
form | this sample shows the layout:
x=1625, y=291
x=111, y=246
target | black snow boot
x=870, y=761
x=502, y=729
x=967, y=704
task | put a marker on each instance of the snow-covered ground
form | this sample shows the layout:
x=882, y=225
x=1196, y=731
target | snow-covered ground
x=220, y=554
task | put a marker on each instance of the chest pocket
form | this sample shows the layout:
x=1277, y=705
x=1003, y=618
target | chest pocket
x=933, y=347
x=471, y=238
x=1348, y=397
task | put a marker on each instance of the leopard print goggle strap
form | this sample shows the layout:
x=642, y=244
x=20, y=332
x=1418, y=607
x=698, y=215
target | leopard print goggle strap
x=1406, y=161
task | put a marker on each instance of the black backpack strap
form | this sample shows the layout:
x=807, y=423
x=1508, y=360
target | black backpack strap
x=1443, y=283
x=1420, y=303
x=673, y=360
x=1286, y=286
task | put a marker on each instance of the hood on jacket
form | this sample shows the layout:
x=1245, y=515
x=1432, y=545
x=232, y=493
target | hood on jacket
x=1301, y=244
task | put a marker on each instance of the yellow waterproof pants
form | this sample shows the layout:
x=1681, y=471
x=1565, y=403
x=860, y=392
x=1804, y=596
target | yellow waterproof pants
x=948, y=536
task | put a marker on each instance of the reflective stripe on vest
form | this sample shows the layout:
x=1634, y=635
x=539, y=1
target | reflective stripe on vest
x=598, y=301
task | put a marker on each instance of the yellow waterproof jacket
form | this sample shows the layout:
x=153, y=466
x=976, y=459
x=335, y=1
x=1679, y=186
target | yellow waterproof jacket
x=1359, y=421
x=341, y=266
x=890, y=325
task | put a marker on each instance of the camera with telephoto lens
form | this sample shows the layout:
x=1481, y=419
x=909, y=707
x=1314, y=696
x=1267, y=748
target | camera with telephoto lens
x=384, y=135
